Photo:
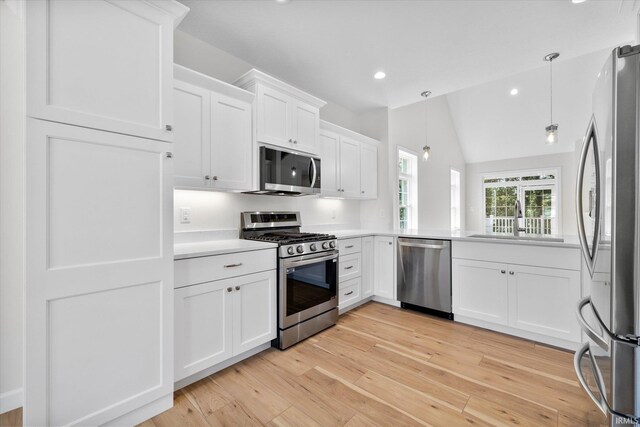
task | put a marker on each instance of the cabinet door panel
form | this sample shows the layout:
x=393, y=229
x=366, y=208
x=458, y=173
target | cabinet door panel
x=99, y=274
x=385, y=277
x=192, y=135
x=480, y=290
x=203, y=328
x=368, y=171
x=254, y=312
x=542, y=300
x=350, y=167
x=101, y=64
x=330, y=160
x=367, y=266
x=305, y=123
x=272, y=114
x=230, y=143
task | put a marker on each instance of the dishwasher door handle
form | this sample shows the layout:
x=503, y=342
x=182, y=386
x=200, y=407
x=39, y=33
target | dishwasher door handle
x=422, y=245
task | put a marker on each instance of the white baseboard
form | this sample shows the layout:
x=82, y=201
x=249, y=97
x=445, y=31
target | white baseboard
x=220, y=366
x=343, y=310
x=145, y=412
x=545, y=339
x=386, y=301
x=10, y=400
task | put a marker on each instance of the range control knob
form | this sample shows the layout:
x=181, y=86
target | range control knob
x=300, y=249
x=313, y=247
x=325, y=245
x=290, y=250
x=332, y=245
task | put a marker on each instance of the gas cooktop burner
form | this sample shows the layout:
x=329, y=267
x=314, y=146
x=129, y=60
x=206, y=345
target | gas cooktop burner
x=289, y=237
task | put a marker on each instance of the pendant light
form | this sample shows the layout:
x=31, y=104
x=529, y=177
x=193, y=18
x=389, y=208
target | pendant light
x=426, y=150
x=552, y=129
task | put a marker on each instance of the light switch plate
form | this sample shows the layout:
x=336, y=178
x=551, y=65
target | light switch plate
x=185, y=215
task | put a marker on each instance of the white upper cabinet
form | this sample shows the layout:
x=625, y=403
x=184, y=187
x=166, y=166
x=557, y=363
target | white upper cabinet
x=103, y=64
x=368, y=171
x=212, y=133
x=349, y=163
x=349, y=167
x=284, y=116
x=330, y=163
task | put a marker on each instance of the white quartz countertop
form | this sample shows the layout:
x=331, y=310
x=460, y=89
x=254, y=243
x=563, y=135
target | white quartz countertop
x=569, y=241
x=218, y=247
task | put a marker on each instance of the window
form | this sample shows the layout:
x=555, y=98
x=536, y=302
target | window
x=407, y=190
x=538, y=195
x=455, y=200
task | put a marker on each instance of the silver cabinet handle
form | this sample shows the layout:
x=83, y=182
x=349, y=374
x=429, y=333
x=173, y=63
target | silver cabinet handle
x=233, y=265
x=168, y=128
x=290, y=140
x=229, y=289
x=348, y=293
x=511, y=273
x=390, y=243
x=295, y=141
x=237, y=288
x=503, y=271
x=362, y=191
x=207, y=177
x=169, y=154
x=215, y=177
x=349, y=267
x=348, y=247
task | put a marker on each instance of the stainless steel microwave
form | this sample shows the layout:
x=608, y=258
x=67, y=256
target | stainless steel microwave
x=288, y=174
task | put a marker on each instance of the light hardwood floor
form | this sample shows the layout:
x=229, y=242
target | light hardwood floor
x=383, y=366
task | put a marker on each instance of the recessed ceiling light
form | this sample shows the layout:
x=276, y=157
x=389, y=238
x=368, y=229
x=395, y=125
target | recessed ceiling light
x=282, y=1
x=513, y=91
x=578, y=1
x=379, y=75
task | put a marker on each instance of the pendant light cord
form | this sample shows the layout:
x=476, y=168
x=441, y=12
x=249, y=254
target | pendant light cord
x=551, y=89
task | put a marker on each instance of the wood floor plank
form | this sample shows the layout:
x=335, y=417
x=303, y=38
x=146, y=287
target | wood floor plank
x=183, y=413
x=207, y=396
x=293, y=417
x=494, y=413
x=263, y=402
x=11, y=418
x=234, y=414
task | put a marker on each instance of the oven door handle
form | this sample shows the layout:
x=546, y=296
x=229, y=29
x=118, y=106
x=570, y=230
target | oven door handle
x=306, y=259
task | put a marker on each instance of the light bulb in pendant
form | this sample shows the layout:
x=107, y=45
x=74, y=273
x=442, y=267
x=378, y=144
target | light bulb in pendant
x=552, y=134
x=426, y=152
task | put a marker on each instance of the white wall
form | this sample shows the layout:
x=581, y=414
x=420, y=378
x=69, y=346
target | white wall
x=407, y=129
x=379, y=213
x=221, y=211
x=566, y=162
x=11, y=203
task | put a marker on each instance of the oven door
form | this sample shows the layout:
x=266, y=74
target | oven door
x=308, y=286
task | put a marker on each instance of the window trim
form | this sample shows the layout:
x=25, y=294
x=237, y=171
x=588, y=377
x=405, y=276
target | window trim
x=413, y=190
x=555, y=170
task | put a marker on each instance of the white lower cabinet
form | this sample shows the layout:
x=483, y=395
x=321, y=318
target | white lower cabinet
x=367, y=266
x=535, y=302
x=220, y=319
x=384, y=267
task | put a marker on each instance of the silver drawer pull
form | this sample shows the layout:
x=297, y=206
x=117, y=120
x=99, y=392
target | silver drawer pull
x=233, y=265
x=511, y=273
x=503, y=271
x=348, y=293
x=349, y=268
x=229, y=289
x=348, y=247
x=237, y=288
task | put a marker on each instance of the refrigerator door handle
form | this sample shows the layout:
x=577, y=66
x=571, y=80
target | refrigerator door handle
x=587, y=328
x=590, y=143
x=601, y=403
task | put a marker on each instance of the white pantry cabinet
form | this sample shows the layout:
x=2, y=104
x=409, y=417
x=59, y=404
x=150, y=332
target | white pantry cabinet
x=225, y=305
x=497, y=284
x=99, y=276
x=385, y=267
x=212, y=133
x=284, y=116
x=349, y=163
x=103, y=64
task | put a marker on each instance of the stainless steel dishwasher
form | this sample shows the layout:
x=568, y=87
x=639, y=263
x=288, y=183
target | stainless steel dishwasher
x=424, y=275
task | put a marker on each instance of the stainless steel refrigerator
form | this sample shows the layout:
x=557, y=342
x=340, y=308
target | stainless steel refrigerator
x=608, y=211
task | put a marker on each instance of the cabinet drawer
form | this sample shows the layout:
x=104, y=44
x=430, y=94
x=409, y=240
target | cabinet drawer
x=349, y=246
x=349, y=292
x=350, y=266
x=206, y=269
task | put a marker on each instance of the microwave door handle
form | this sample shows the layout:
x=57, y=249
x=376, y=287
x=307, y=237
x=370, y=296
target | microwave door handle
x=315, y=172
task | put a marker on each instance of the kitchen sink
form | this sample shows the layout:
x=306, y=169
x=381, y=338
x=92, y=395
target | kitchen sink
x=535, y=238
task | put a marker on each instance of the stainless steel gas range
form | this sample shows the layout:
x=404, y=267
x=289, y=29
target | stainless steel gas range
x=307, y=274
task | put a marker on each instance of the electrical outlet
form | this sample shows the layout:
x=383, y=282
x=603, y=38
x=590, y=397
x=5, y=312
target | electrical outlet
x=185, y=215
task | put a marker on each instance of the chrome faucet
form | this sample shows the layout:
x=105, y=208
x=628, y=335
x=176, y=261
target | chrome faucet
x=516, y=216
